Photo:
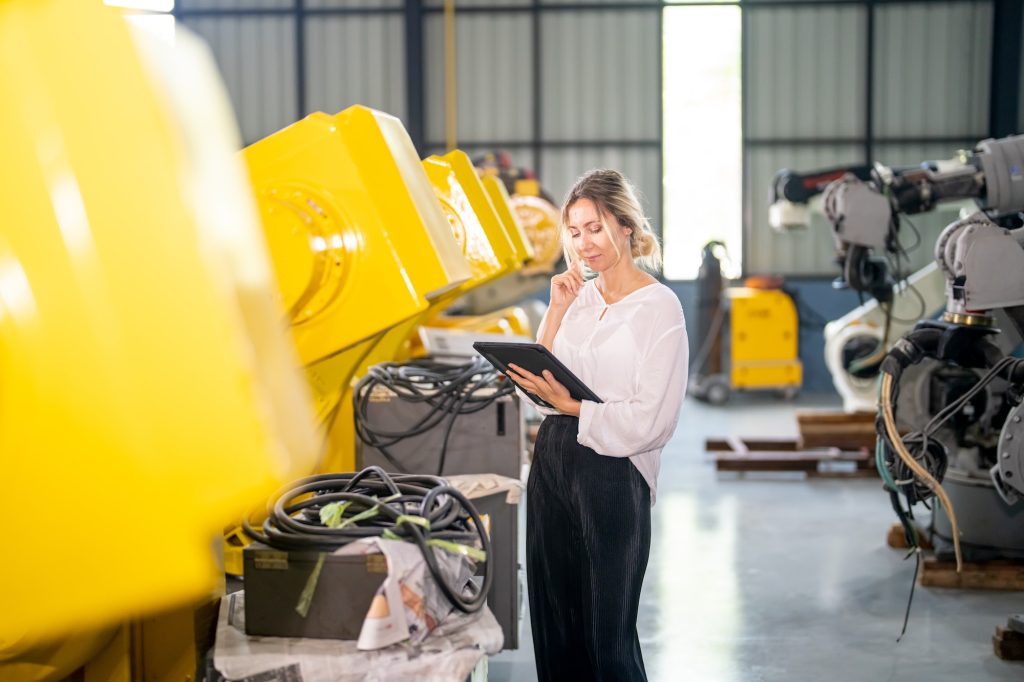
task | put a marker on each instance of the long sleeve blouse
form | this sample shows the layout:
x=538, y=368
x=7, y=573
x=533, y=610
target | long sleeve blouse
x=634, y=355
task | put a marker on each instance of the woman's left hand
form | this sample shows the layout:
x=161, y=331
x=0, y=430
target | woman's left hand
x=547, y=388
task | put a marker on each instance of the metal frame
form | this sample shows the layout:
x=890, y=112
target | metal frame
x=1003, y=104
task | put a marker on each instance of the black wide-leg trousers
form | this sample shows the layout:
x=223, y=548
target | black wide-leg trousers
x=588, y=537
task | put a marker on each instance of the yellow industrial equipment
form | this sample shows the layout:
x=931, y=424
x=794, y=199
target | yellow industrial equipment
x=500, y=200
x=357, y=243
x=539, y=219
x=149, y=393
x=764, y=335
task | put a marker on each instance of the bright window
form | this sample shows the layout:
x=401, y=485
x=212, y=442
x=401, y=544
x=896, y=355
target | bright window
x=702, y=136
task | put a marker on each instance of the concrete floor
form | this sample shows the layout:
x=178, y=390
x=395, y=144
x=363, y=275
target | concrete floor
x=776, y=577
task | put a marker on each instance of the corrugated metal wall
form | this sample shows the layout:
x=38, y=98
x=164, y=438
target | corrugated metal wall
x=601, y=81
x=493, y=74
x=806, y=79
x=932, y=69
x=599, y=78
x=805, y=72
x=256, y=56
x=355, y=60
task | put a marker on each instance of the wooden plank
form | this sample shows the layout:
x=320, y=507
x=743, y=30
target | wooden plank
x=849, y=431
x=808, y=461
x=784, y=454
x=832, y=417
x=737, y=444
x=990, y=575
x=898, y=540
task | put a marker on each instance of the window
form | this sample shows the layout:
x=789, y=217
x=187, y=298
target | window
x=702, y=132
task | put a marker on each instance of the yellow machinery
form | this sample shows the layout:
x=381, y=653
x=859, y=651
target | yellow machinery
x=489, y=202
x=538, y=219
x=763, y=333
x=469, y=223
x=149, y=393
x=359, y=245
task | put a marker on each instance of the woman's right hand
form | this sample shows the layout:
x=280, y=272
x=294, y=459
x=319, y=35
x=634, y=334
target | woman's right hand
x=566, y=286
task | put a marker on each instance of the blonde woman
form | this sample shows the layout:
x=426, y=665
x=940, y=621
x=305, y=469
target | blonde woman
x=595, y=465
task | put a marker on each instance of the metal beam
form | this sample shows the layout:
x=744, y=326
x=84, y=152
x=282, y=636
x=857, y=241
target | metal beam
x=1004, y=94
x=415, y=90
x=300, y=59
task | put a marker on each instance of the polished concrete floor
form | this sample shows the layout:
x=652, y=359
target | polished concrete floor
x=777, y=577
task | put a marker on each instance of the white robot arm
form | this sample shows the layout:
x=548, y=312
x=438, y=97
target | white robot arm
x=864, y=207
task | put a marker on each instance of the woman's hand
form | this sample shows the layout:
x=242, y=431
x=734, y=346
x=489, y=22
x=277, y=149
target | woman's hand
x=565, y=286
x=547, y=388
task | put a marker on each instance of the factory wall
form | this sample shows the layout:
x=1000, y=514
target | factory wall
x=806, y=105
x=562, y=90
x=565, y=89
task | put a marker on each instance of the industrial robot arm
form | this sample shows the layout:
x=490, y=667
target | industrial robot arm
x=981, y=260
x=864, y=206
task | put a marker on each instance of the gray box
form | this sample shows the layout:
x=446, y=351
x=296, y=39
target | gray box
x=491, y=441
x=505, y=598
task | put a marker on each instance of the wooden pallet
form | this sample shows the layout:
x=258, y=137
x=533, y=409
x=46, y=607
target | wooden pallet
x=1008, y=643
x=767, y=454
x=846, y=431
x=990, y=575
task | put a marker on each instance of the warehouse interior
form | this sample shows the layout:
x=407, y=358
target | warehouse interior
x=247, y=428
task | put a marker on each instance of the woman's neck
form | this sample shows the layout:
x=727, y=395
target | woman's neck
x=621, y=278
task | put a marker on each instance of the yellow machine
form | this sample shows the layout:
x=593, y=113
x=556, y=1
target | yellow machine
x=482, y=217
x=150, y=395
x=152, y=391
x=360, y=246
x=764, y=332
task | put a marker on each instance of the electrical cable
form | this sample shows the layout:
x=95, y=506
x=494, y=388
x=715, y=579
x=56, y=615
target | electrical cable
x=916, y=553
x=897, y=443
x=424, y=510
x=917, y=234
x=450, y=390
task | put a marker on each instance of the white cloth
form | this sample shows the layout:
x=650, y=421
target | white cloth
x=635, y=358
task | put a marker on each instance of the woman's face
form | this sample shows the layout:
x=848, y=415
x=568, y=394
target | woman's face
x=591, y=240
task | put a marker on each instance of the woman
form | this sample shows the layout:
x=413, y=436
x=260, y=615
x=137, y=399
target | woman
x=595, y=465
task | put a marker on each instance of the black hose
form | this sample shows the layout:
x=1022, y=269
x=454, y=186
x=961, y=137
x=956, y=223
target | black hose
x=400, y=502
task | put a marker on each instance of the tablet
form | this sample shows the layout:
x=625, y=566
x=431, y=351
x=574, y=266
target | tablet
x=534, y=358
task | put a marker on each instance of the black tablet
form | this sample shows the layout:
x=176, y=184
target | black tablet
x=534, y=358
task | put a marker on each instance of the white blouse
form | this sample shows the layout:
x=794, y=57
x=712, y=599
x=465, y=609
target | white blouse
x=634, y=355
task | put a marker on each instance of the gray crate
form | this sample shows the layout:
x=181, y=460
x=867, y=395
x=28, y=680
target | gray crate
x=491, y=441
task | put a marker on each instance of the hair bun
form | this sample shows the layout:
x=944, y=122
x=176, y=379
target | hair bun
x=644, y=245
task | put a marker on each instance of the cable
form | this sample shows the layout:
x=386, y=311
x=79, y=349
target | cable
x=424, y=510
x=917, y=234
x=450, y=390
x=897, y=443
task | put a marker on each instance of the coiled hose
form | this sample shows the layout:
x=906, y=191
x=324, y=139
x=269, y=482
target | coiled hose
x=424, y=510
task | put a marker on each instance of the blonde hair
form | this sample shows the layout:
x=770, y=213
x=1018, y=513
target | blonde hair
x=613, y=195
